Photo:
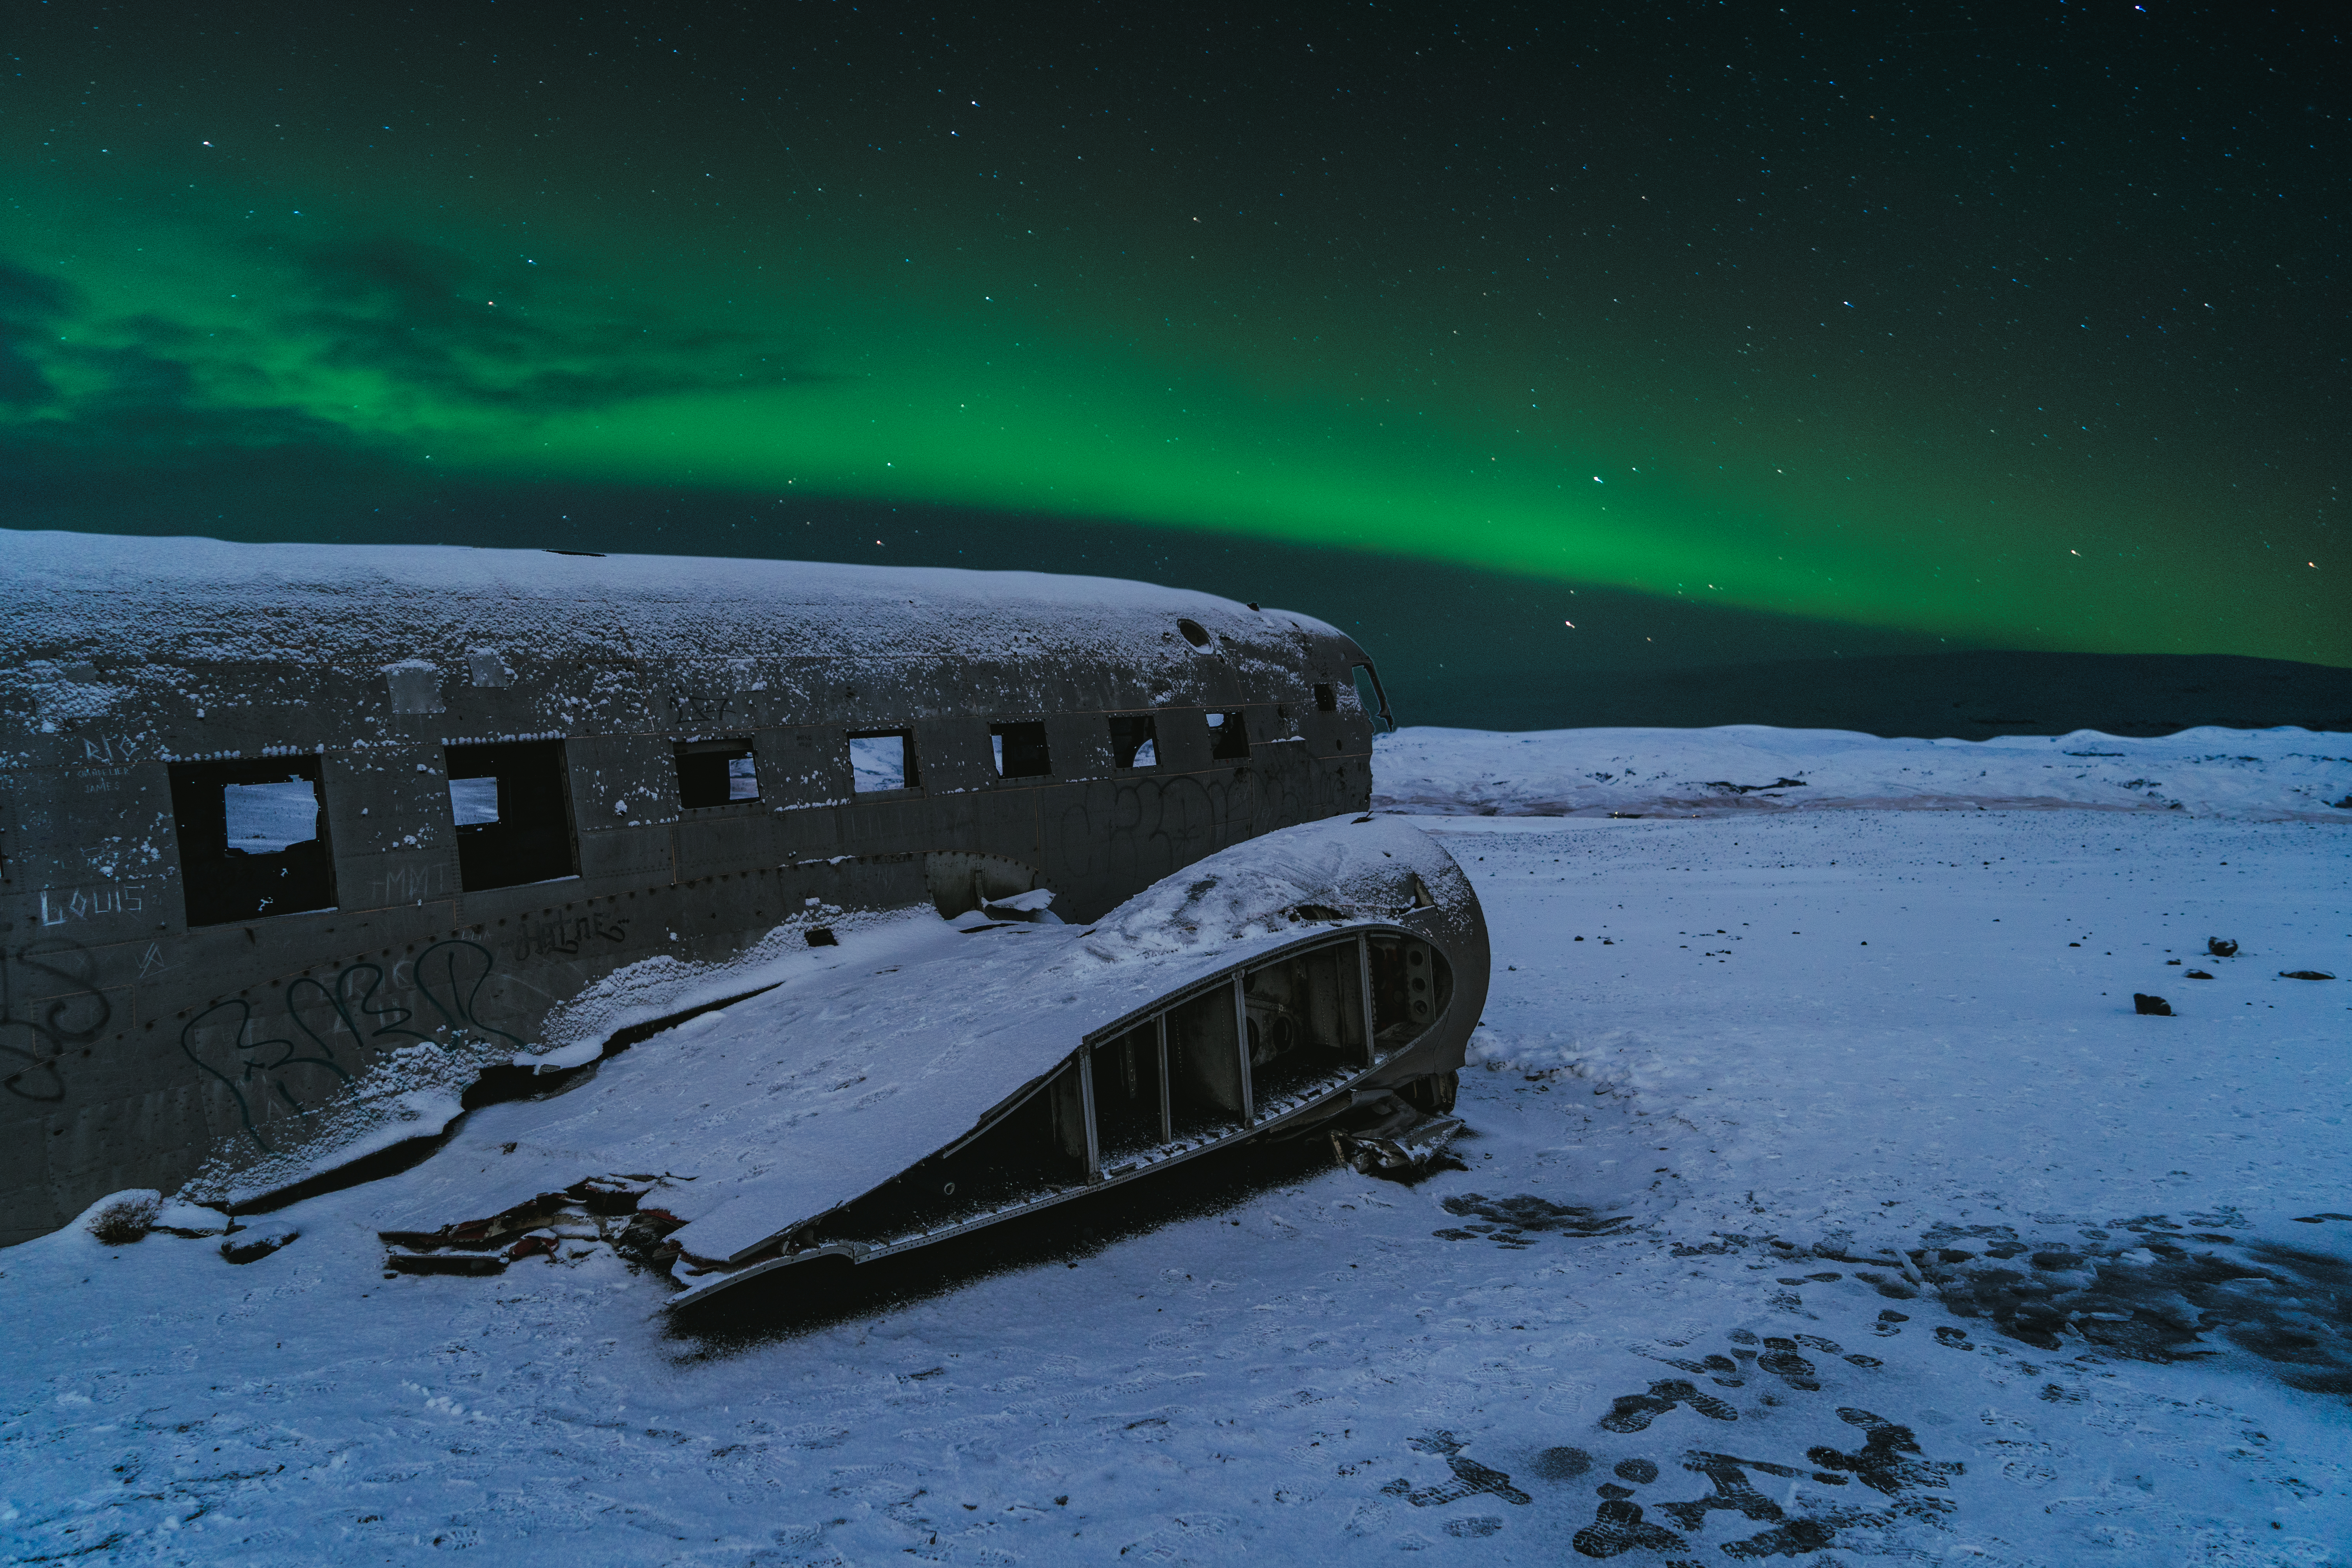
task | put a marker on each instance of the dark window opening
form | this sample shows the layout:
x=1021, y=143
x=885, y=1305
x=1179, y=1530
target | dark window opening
x=1036, y=1149
x=253, y=838
x=1194, y=632
x=881, y=760
x=1020, y=750
x=1306, y=1015
x=512, y=807
x=1206, y=1095
x=1134, y=740
x=1368, y=695
x=716, y=773
x=1130, y=1099
x=1411, y=986
x=1327, y=698
x=1228, y=737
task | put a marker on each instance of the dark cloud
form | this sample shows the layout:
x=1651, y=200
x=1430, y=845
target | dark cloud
x=28, y=304
x=111, y=422
x=432, y=324
x=513, y=337
x=28, y=296
x=136, y=401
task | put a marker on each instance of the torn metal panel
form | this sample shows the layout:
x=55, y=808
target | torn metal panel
x=963, y=882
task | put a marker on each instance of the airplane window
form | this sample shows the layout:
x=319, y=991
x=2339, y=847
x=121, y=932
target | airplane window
x=716, y=773
x=252, y=838
x=1134, y=739
x=1326, y=699
x=882, y=760
x=1229, y=737
x=1020, y=750
x=512, y=804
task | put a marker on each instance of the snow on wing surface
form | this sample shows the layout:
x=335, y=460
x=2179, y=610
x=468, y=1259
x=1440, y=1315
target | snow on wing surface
x=814, y=1093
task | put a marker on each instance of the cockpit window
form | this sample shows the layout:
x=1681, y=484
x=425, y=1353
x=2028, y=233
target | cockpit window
x=1373, y=699
x=253, y=838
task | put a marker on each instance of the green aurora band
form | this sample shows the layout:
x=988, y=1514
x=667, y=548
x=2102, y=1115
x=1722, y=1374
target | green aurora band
x=1167, y=370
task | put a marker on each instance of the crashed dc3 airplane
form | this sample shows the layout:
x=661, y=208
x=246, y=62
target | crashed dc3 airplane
x=1038, y=884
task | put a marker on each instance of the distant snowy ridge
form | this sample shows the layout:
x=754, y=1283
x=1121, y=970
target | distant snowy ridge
x=2278, y=774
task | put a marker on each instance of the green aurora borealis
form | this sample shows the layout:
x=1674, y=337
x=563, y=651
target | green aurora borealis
x=1901, y=337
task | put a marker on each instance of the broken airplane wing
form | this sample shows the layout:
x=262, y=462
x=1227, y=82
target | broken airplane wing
x=923, y=1080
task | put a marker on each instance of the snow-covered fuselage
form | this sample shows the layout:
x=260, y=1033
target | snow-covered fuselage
x=273, y=814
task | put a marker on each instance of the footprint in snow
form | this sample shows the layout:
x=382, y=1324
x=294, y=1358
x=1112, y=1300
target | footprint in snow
x=1634, y=1412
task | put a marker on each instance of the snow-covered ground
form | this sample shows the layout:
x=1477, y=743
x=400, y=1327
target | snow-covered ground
x=1945, y=1255
x=2262, y=774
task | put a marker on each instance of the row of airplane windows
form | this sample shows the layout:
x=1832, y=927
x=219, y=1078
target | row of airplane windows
x=253, y=832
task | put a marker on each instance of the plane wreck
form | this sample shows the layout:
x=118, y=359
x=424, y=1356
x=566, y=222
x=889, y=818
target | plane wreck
x=921, y=1079
x=277, y=821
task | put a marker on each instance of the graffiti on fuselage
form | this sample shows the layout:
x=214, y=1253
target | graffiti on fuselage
x=1154, y=825
x=566, y=937
x=35, y=1034
x=701, y=702
x=359, y=1006
x=61, y=906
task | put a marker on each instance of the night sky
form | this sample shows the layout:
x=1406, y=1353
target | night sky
x=1722, y=332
